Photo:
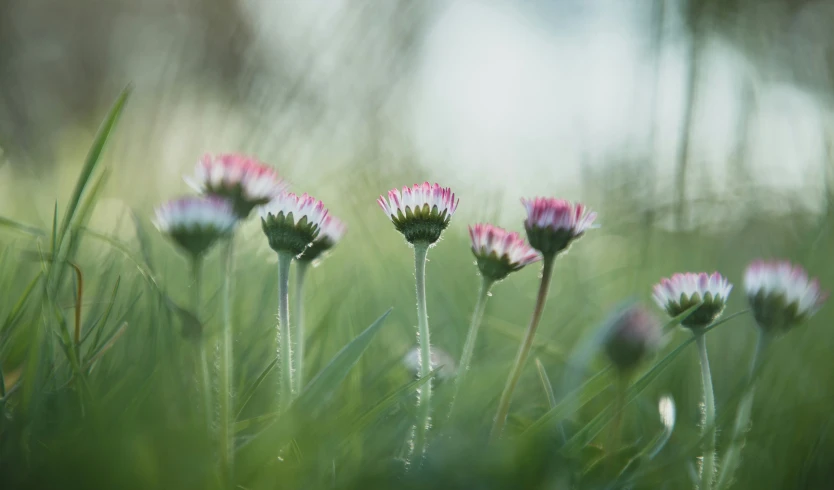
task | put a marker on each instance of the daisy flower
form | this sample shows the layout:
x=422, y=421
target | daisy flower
x=683, y=291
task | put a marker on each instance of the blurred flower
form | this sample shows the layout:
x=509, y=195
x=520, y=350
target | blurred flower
x=632, y=334
x=683, y=291
x=195, y=223
x=438, y=358
x=781, y=295
x=420, y=212
x=330, y=232
x=552, y=224
x=243, y=180
x=292, y=222
x=499, y=252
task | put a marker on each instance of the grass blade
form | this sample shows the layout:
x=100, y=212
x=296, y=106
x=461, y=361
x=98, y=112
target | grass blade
x=14, y=314
x=250, y=392
x=104, y=317
x=22, y=228
x=91, y=162
x=548, y=387
x=586, y=392
x=262, y=446
x=143, y=239
x=390, y=401
x=325, y=382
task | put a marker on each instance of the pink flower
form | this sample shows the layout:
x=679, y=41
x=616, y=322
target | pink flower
x=292, y=222
x=499, y=251
x=683, y=291
x=420, y=212
x=244, y=180
x=781, y=294
x=552, y=224
x=330, y=232
x=195, y=223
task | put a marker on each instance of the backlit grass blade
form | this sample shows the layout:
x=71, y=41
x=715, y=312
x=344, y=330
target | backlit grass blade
x=250, y=392
x=98, y=325
x=586, y=392
x=14, y=315
x=90, y=164
x=319, y=389
x=144, y=240
x=22, y=228
x=548, y=387
x=389, y=401
x=264, y=445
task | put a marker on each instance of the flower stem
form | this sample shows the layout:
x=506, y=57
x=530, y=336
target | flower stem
x=424, y=400
x=197, y=279
x=524, y=350
x=745, y=406
x=471, y=336
x=708, y=469
x=284, y=338
x=226, y=366
x=301, y=267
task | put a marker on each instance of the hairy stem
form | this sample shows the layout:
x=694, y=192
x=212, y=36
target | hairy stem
x=205, y=381
x=523, y=351
x=708, y=469
x=301, y=267
x=226, y=367
x=424, y=400
x=471, y=337
x=284, y=338
x=745, y=406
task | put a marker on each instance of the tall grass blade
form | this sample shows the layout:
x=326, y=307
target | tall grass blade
x=389, y=401
x=22, y=228
x=14, y=315
x=91, y=162
x=319, y=389
x=546, y=384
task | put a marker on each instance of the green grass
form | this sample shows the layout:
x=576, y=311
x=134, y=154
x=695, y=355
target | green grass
x=119, y=407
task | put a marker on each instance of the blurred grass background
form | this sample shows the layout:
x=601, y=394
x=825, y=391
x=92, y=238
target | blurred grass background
x=694, y=163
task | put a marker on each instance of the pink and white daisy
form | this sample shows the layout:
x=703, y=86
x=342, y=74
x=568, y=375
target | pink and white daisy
x=683, y=291
x=246, y=181
x=331, y=231
x=781, y=294
x=292, y=222
x=195, y=223
x=499, y=251
x=552, y=224
x=420, y=212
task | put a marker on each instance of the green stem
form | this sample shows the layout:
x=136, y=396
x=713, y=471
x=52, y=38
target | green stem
x=708, y=469
x=424, y=400
x=745, y=406
x=197, y=279
x=471, y=336
x=301, y=267
x=524, y=350
x=226, y=367
x=284, y=338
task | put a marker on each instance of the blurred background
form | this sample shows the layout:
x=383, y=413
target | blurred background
x=673, y=102
x=701, y=130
